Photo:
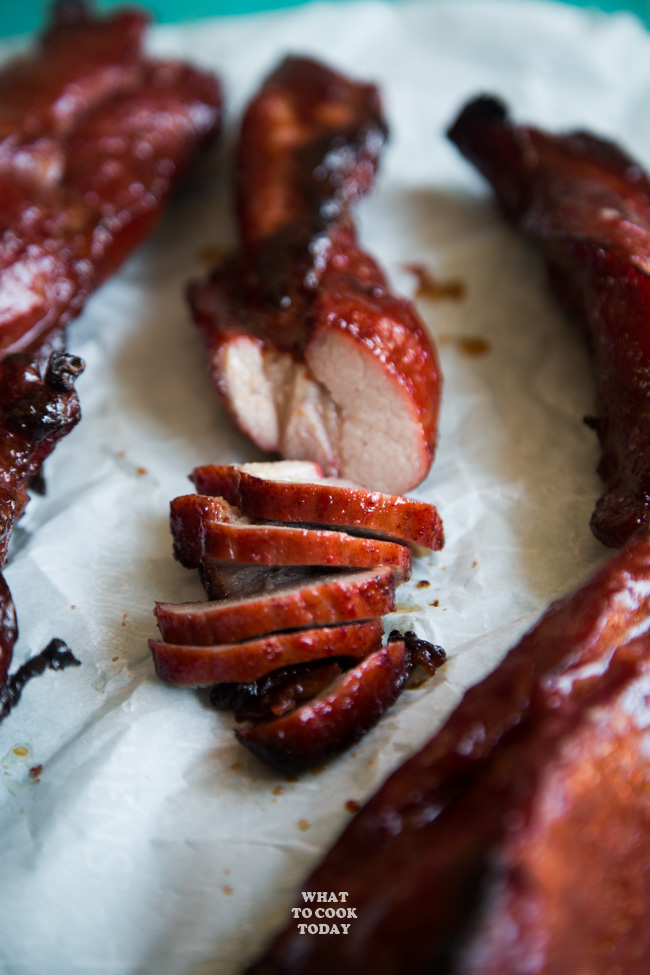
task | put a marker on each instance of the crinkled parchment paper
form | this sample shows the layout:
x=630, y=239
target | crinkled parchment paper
x=150, y=841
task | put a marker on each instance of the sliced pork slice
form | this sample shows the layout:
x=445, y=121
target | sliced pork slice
x=222, y=480
x=325, y=501
x=336, y=718
x=199, y=536
x=244, y=662
x=338, y=598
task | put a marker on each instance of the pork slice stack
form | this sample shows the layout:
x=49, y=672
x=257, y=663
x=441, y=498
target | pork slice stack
x=293, y=619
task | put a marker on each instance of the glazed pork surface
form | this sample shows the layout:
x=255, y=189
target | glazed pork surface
x=322, y=501
x=587, y=204
x=207, y=529
x=94, y=135
x=321, y=599
x=518, y=838
x=250, y=659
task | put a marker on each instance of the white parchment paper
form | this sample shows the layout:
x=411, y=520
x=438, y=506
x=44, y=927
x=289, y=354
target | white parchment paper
x=150, y=841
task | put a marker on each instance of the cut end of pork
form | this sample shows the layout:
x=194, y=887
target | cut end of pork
x=384, y=440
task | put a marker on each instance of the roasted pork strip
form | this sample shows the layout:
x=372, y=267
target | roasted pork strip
x=588, y=205
x=93, y=137
x=324, y=600
x=247, y=661
x=311, y=353
x=79, y=63
x=340, y=714
x=120, y=165
x=200, y=537
x=35, y=412
x=521, y=830
x=323, y=502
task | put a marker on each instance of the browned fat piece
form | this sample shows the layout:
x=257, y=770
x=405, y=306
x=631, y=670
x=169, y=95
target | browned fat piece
x=324, y=600
x=518, y=838
x=200, y=534
x=247, y=661
x=258, y=493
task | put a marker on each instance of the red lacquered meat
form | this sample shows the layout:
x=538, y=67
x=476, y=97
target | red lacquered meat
x=35, y=412
x=518, y=838
x=336, y=718
x=311, y=353
x=223, y=480
x=247, y=661
x=309, y=142
x=200, y=536
x=80, y=62
x=322, y=600
x=120, y=166
x=322, y=502
x=588, y=206
x=93, y=137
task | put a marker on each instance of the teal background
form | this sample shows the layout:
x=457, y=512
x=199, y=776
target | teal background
x=20, y=16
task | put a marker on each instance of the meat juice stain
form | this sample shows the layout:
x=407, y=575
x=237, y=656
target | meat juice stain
x=430, y=287
x=352, y=805
x=471, y=346
x=226, y=889
x=423, y=584
x=278, y=790
x=303, y=824
x=214, y=254
x=57, y=655
x=35, y=772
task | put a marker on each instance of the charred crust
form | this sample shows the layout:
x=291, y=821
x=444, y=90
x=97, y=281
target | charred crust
x=424, y=654
x=62, y=370
x=484, y=109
